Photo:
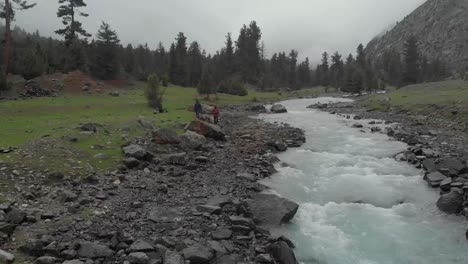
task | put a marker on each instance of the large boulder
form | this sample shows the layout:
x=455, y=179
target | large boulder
x=192, y=140
x=282, y=253
x=451, y=166
x=198, y=254
x=165, y=136
x=206, y=129
x=15, y=216
x=146, y=124
x=451, y=203
x=271, y=210
x=278, y=108
x=94, y=250
x=137, y=152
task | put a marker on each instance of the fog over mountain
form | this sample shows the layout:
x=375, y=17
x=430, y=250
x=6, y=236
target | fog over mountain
x=310, y=26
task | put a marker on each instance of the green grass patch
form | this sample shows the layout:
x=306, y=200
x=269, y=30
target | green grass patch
x=41, y=127
x=430, y=98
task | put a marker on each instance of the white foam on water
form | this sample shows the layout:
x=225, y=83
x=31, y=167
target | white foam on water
x=357, y=204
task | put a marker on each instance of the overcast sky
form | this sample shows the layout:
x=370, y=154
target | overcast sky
x=309, y=26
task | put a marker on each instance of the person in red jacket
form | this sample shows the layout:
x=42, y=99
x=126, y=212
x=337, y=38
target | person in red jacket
x=215, y=114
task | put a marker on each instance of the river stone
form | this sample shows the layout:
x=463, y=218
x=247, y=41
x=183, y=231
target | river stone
x=221, y=234
x=165, y=136
x=161, y=214
x=219, y=200
x=46, y=260
x=434, y=179
x=6, y=257
x=211, y=209
x=282, y=253
x=141, y=246
x=74, y=261
x=15, y=216
x=206, y=129
x=278, y=108
x=191, y=140
x=138, y=258
x=263, y=258
x=198, y=254
x=451, y=203
x=429, y=165
x=452, y=166
x=269, y=209
x=171, y=257
x=242, y=221
x=446, y=184
x=136, y=151
x=94, y=250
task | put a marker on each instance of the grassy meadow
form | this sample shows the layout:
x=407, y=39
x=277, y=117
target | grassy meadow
x=41, y=127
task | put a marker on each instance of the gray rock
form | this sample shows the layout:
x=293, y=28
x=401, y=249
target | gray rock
x=33, y=247
x=68, y=196
x=242, y=221
x=171, y=257
x=198, y=254
x=211, y=209
x=6, y=257
x=429, y=165
x=269, y=209
x=446, y=184
x=452, y=166
x=247, y=176
x=206, y=129
x=434, y=179
x=131, y=163
x=165, y=136
x=280, y=146
x=221, y=234
x=137, y=152
x=74, y=261
x=91, y=127
x=138, y=258
x=94, y=250
x=278, y=108
x=146, y=124
x=56, y=176
x=217, y=247
x=46, y=260
x=191, y=140
x=15, y=216
x=282, y=253
x=177, y=158
x=451, y=203
x=141, y=246
x=219, y=200
x=161, y=214
x=264, y=258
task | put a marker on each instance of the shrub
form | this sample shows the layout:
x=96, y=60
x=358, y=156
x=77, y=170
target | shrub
x=153, y=93
x=165, y=80
x=232, y=88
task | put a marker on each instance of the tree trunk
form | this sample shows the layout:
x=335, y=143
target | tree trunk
x=7, y=36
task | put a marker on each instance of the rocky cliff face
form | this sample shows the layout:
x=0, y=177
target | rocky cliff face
x=441, y=27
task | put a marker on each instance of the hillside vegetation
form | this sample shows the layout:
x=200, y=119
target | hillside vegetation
x=448, y=100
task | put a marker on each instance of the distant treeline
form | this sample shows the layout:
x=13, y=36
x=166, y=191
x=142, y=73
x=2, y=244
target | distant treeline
x=184, y=63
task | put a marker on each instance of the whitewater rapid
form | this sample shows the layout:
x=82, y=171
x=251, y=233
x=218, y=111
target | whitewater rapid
x=357, y=204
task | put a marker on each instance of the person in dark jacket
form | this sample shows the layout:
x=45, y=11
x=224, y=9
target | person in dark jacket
x=198, y=108
x=215, y=114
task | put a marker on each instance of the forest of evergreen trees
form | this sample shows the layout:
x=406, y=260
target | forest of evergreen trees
x=185, y=63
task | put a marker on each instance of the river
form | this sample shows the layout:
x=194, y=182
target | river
x=357, y=204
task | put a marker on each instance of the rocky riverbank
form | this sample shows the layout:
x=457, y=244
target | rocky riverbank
x=441, y=151
x=174, y=199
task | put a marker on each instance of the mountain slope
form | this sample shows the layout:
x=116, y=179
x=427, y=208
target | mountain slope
x=441, y=27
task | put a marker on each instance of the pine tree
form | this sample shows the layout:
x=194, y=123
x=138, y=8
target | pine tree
x=129, y=59
x=303, y=73
x=292, y=69
x=229, y=55
x=195, y=64
x=248, y=52
x=172, y=63
x=106, y=65
x=68, y=11
x=160, y=61
x=324, y=68
x=361, y=57
x=207, y=85
x=336, y=71
x=179, y=61
x=411, y=72
x=348, y=85
x=8, y=12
